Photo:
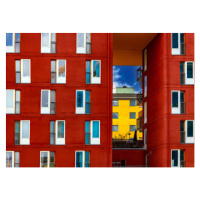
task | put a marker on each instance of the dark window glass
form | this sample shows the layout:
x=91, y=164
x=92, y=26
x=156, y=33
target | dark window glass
x=87, y=132
x=182, y=67
x=87, y=159
x=174, y=99
x=175, y=158
x=79, y=99
x=87, y=71
x=182, y=127
x=79, y=159
x=182, y=155
x=182, y=96
x=60, y=129
x=87, y=111
x=182, y=37
x=189, y=128
x=189, y=70
x=174, y=40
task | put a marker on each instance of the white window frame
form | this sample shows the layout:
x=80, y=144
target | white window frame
x=81, y=50
x=145, y=112
x=179, y=163
x=189, y=81
x=145, y=86
x=48, y=165
x=83, y=158
x=25, y=79
x=94, y=141
x=95, y=80
x=80, y=110
x=145, y=59
x=176, y=110
x=11, y=49
x=60, y=79
x=45, y=110
x=176, y=51
x=11, y=110
x=59, y=141
x=46, y=49
x=13, y=158
x=24, y=141
x=189, y=139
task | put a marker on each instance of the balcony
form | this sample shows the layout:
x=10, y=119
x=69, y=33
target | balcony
x=139, y=98
x=139, y=73
x=182, y=137
x=124, y=143
x=182, y=48
x=140, y=121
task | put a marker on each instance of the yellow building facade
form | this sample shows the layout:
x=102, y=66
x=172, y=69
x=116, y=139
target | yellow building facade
x=125, y=115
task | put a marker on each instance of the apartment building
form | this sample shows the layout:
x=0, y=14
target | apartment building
x=59, y=99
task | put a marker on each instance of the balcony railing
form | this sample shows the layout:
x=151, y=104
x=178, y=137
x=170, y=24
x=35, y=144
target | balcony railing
x=120, y=143
x=182, y=164
x=182, y=107
x=182, y=78
x=139, y=73
x=140, y=123
x=182, y=48
x=182, y=137
x=139, y=98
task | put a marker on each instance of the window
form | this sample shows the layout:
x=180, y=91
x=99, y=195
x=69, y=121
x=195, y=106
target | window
x=22, y=132
x=187, y=73
x=115, y=103
x=92, y=132
x=145, y=59
x=23, y=71
x=93, y=72
x=48, y=42
x=58, y=71
x=47, y=159
x=189, y=134
x=48, y=101
x=145, y=86
x=132, y=115
x=12, y=159
x=83, y=102
x=178, y=44
x=132, y=102
x=83, y=43
x=13, y=42
x=145, y=112
x=145, y=138
x=115, y=128
x=82, y=159
x=13, y=99
x=115, y=115
x=178, y=102
x=57, y=132
x=177, y=158
x=132, y=128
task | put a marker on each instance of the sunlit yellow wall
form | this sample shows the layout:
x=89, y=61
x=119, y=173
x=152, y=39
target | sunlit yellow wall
x=124, y=120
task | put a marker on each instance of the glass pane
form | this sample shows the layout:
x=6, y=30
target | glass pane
x=87, y=96
x=53, y=108
x=17, y=65
x=79, y=159
x=45, y=39
x=182, y=96
x=79, y=99
x=87, y=138
x=51, y=156
x=52, y=126
x=174, y=40
x=60, y=129
x=132, y=103
x=87, y=157
x=80, y=39
x=17, y=37
x=182, y=37
x=17, y=47
x=132, y=127
x=17, y=95
x=174, y=99
x=17, y=139
x=25, y=129
x=9, y=98
x=53, y=96
x=45, y=98
x=87, y=77
x=9, y=39
x=181, y=67
x=88, y=37
x=26, y=68
x=87, y=126
x=189, y=128
x=189, y=70
x=182, y=127
x=115, y=115
x=53, y=37
x=16, y=157
x=53, y=77
x=16, y=126
x=115, y=128
x=182, y=155
x=53, y=48
x=175, y=158
x=8, y=159
x=61, y=68
x=95, y=133
x=87, y=66
x=17, y=108
x=96, y=68
x=53, y=65
x=52, y=138
x=18, y=77
x=115, y=103
x=44, y=159
x=87, y=109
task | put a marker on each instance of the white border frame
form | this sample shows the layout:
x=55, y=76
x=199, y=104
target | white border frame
x=46, y=49
x=83, y=159
x=47, y=158
x=189, y=81
x=25, y=79
x=59, y=141
x=81, y=50
x=24, y=141
x=13, y=158
x=80, y=110
x=189, y=139
x=176, y=51
x=178, y=158
x=11, y=49
x=95, y=80
x=94, y=141
x=45, y=110
x=176, y=110
x=11, y=110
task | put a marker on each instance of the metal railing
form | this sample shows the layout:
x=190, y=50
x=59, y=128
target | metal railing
x=182, y=78
x=182, y=48
x=139, y=98
x=140, y=123
x=182, y=107
x=182, y=137
x=120, y=143
x=139, y=73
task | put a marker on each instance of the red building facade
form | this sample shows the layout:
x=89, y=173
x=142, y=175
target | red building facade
x=65, y=98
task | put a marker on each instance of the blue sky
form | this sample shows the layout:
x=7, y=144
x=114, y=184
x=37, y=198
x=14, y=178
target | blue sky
x=125, y=76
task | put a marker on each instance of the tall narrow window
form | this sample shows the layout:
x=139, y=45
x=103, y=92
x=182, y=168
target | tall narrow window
x=96, y=71
x=17, y=102
x=189, y=135
x=145, y=86
x=17, y=161
x=12, y=159
x=145, y=138
x=88, y=43
x=48, y=42
x=48, y=101
x=182, y=73
x=52, y=132
x=182, y=132
x=53, y=71
x=17, y=42
x=17, y=132
x=18, y=71
x=26, y=71
x=95, y=132
x=87, y=103
x=61, y=71
x=52, y=159
x=53, y=102
x=83, y=43
x=145, y=59
x=82, y=159
x=177, y=158
x=25, y=132
x=87, y=132
x=13, y=42
x=83, y=102
x=60, y=132
x=13, y=101
x=182, y=98
x=175, y=102
x=88, y=69
x=178, y=44
x=145, y=112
